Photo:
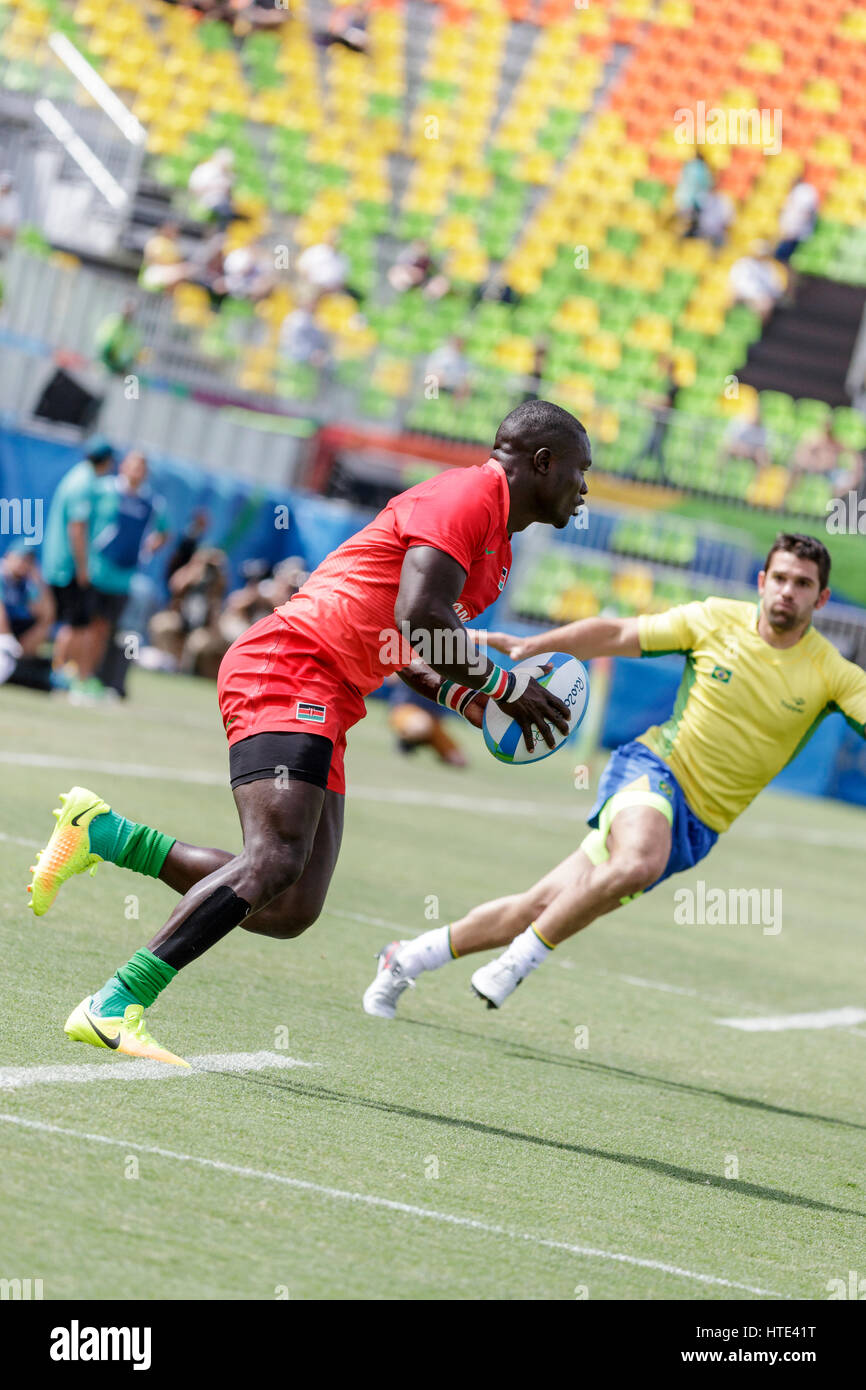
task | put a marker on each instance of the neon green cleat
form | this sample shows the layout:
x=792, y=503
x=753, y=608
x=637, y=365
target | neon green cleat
x=127, y=1034
x=68, y=851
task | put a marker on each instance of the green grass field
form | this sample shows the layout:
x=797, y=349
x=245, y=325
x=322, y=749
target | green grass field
x=516, y=1165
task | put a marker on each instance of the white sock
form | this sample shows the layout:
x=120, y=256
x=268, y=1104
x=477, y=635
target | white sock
x=426, y=952
x=527, y=951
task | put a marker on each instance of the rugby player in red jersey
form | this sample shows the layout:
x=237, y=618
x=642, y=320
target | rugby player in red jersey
x=291, y=687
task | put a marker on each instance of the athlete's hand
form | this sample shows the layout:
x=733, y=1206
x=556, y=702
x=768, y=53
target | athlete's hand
x=474, y=711
x=536, y=706
x=507, y=643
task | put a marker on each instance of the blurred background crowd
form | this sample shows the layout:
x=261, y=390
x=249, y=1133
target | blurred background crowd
x=289, y=258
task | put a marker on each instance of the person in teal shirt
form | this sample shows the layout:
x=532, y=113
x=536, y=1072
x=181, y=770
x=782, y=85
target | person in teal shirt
x=128, y=521
x=66, y=559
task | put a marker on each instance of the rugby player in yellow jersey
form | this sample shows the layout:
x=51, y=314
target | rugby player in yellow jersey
x=757, y=682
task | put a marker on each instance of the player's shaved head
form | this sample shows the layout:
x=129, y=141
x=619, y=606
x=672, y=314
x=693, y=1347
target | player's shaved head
x=545, y=452
x=534, y=425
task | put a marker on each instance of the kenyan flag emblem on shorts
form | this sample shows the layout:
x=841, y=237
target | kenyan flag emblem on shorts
x=309, y=713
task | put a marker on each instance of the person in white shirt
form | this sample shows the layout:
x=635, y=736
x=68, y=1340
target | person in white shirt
x=757, y=280
x=797, y=219
x=211, y=183
x=323, y=268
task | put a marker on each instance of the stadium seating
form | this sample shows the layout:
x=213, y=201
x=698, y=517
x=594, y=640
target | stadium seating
x=549, y=165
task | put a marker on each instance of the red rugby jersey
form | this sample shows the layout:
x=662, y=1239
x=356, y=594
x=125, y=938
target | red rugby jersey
x=347, y=604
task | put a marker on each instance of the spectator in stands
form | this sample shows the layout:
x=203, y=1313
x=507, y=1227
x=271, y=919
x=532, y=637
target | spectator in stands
x=414, y=269
x=129, y=524
x=163, y=263
x=26, y=599
x=211, y=184
x=302, y=340
x=261, y=594
x=660, y=403
x=188, y=630
x=347, y=26
x=715, y=216
x=323, y=269
x=532, y=383
x=495, y=290
x=66, y=563
x=188, y=543
x=118, y=340
x=449, y=369
x=746, y=438
x=757, y=281
x=797, y=219
x=207, y=268
x=246, y=15
x=10, y=209
x=19, y=668
x=249, y=272
x=821, y=453
x=287, y=578
x=694, y=183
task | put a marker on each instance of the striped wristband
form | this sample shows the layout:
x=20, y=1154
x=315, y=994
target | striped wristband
x=454, y=696
x=499, y=684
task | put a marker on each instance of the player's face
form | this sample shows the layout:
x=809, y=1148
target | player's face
x=790, y=591
x=566, y=487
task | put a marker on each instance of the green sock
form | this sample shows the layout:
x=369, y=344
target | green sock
x=138, y=982
x=135, y=847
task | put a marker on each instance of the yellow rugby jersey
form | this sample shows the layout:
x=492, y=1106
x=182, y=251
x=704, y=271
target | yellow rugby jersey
x=744, y=708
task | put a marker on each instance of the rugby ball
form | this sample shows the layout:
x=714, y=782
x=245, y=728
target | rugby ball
x=568, y=680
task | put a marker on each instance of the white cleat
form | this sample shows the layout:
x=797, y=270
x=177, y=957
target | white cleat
x=495, y=981
x=383, y=995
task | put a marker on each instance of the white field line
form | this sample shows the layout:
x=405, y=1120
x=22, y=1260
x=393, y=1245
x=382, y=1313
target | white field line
x=140, y=1069
x=407, y=796
x=387, y=1204
x=659, y=985
x=781, y=1023
x=402, y=930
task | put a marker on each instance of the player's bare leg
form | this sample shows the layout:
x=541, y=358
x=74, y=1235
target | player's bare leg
x=279, y=825
x=281, y=831
x=567, y=899
x=638, y=848
x=292, y=911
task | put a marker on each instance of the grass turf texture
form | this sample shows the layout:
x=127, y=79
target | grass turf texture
x=620, y=1148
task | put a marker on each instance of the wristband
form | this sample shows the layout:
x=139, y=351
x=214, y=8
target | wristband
x=498, y=684
x=454, y=696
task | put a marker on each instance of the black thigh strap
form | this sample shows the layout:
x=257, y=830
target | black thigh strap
x=306, y=757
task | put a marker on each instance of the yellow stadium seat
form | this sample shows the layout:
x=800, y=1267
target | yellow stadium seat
x=769, y=487
x=577, y=315
x=191, y=306
x=650, y=331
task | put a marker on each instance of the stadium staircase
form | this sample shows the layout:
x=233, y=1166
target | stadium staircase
x=806, y=349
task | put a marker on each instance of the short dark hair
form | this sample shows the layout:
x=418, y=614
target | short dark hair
x=534, y=424
x=805, y=548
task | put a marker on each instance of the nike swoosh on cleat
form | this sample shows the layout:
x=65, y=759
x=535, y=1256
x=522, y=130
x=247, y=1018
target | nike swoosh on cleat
x=109, y=1042
x=76, y=819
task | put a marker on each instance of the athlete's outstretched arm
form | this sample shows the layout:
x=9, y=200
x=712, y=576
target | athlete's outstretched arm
x=424, y=681
x=431, y=582
x=585, y=639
